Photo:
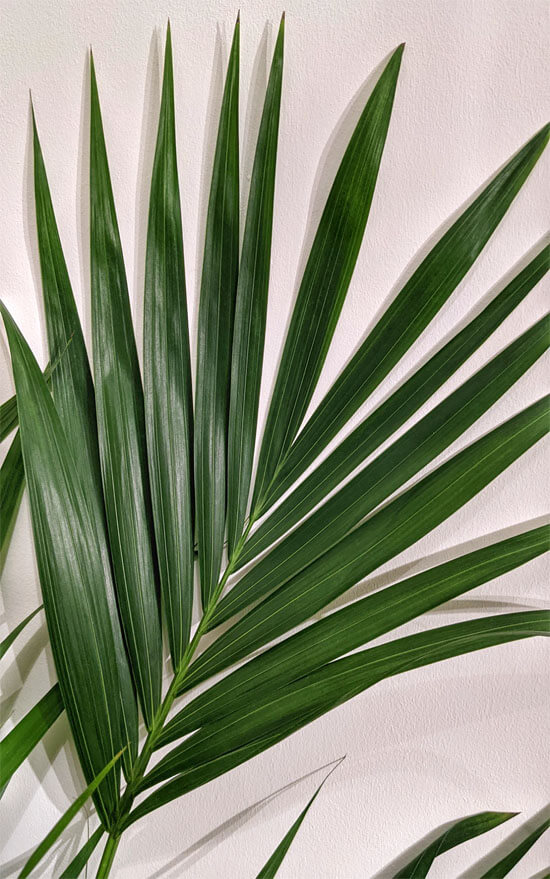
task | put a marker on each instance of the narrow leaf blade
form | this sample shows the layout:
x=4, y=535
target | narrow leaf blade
x=326, y=278
x=121, y=429
x=507, y=864
x=12, y=484
x=82, y=857
x=215, y=332
x=251, y=306
x=20, y=741
x=9, y=639
x=167, y=380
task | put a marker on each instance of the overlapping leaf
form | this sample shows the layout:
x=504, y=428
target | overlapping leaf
x=73, y=573
x=121, y=430
x=167, y=380
x=355, y=625
x=74, y=397
x=12, y=483
x=251, y=306
x=326, y=278
x=392, y=413
x=410, y=312
x=215, y=333
x=390, y=470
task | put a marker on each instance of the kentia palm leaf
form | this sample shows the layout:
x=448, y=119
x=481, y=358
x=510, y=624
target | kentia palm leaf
x=115, y=469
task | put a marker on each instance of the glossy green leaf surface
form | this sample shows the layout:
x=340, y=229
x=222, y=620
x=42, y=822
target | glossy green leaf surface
x=215, y=333
x=12, y=484
x=326, y=277
x=396, y=526
x=355, y=625
x=82, y=857
x=121, y=430
x=507, y=864
x=251, y=306
x=74, y=398
x=274, y=715
x=20, y=741
x=73, y=572
x=65, y=819
x=167, y=380
x=9, y=639
x=390, y=470
x=459, y=832
x=410, y=312
x=392, y=413
x=271, y=868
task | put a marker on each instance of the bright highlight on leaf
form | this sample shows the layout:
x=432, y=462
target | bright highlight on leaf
x=130, y=479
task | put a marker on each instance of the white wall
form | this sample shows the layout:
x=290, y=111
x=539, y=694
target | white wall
x=424, y=748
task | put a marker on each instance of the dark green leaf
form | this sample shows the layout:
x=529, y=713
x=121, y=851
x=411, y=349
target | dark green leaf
x=251, y=306
x=277, y=713
x=461, y=831
x=8, y=641
x=121, y=428
x=271, y=868
x=74, y=398
x=410, y=312
x=326, y=277
x=391, y=414
x=12, y=483
x=355, y=625
x=215, y=332
x=82, y=857
x=65, y=819
x=167, y=380
x=9, y=418
x=402, y=460
x=506, y=865
x=74, y=574
x=21, y=740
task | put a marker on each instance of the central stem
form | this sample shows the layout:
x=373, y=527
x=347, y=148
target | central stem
x=157, y=726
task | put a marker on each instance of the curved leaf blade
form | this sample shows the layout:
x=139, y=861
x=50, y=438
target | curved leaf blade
x=167, y=380
x=65, y=819
x=251, y=306
x=9, y=639
x=461, y=831
x=410, y=312
x=74, y=398
x=82, y=857
x=355, y=625
x=506, y=865
x=12, y=484
x=326, y=278
x=415, y=449
x=391, y=414
x=121, y=430
x=277, y=714
x=215, y=333
x=391, y=530
x=22, y=739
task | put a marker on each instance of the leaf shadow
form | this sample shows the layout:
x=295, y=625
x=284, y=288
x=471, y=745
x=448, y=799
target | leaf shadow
x=218, y=835
x=506, y=846
x=58, y=857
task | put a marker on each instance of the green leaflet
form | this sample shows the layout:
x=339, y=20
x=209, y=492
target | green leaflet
x=459, y=832
x=506, y=865
x=65, y=819
x=271, y=868
x=9, y=418
x=391, y=414
x=410, y=312
x=326, y=278
x=251, y=306
x=390, y=470
x=74, y=398
x=215, y=333
x=355, y=625
x=391, y=530
x=121, y=429
x=167, y=380
x=9, y=639
x=21, y=740
x=12, y=483
x=73, y=574
x=277, y=714
x=82, y=857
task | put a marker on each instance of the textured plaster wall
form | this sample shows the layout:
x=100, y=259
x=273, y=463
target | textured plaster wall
x=440, y=742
